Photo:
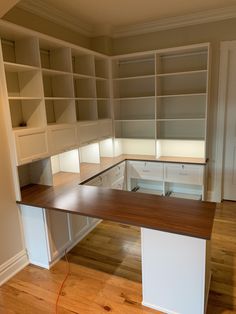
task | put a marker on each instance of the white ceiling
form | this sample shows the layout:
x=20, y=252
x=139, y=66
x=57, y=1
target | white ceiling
x=107, y=15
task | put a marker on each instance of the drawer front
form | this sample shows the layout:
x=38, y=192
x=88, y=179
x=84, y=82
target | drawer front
x=145, y=170
x=31, y=146
x=61, y=139
x=101, y=180
x=116, y=172
x=87, y=133
x=183, y=173
x=119, y=184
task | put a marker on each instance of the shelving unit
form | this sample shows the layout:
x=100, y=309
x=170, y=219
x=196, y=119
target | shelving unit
x=169, y=87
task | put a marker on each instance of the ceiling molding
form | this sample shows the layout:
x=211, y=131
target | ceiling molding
x=49, y=12
x=175, y=22
x=41, y=8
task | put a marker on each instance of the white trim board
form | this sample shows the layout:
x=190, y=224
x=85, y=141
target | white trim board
x=221, y=111
x=45, y=10
x=13, y=266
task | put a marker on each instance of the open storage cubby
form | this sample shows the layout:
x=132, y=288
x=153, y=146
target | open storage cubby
x=27, y=113
x=135, y=129
x=102, y=89
x=83, y=64
x=101, y=68
x=24, y=51
x=134, y=109
x=85, y=88
x=182, y=107
x=184, y=60
x=180, y=190
x=134, y=66
x=58, y=59
x=58, y=86
x=146, y=186
x=135, y=87
x=104, y=108
x=189, y=129
x=38, y=172
x=90, y=153
x=23, y=83
x=86, y=109
x=60, y=111
x=66, y=162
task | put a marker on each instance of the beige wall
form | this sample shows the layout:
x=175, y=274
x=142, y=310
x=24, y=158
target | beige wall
x=10, y=232
x=210, y=32
x=31, y=21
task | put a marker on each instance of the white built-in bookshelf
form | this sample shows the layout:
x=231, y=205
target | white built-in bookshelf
x=163, y=96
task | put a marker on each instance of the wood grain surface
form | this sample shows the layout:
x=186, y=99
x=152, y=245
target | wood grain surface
x=186, y=217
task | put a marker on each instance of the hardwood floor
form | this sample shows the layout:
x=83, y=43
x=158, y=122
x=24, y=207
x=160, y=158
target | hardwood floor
x=100, y=266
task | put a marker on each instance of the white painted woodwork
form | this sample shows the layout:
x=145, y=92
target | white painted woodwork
x=229, y=168
x=90, y=153
x=174, y=272
x=61, y=137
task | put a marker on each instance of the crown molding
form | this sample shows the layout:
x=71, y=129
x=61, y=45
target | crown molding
x=175, y=22
x=41, y=8
x=49, y=12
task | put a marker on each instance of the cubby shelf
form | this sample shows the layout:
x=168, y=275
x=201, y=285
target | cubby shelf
x=16, y=67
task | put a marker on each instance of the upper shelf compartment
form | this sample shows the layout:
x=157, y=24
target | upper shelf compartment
x=56, y=59
x=128, y=67
x=24, y=51
x=83, y=64
x=186, y=60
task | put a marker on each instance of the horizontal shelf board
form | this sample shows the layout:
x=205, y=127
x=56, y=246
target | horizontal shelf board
x=135, y=97
x=24, y=98
x=91, y=98
x=182, y=95
x=135, y=138
x=149, y=191
x=196, y=197
x=85, y=76
x=181, y=73
x=181, y=119
x=51, y=72
x=59, y=98
x=181, y=138
x=16, y=67
x=134, y=77
x=132, y=120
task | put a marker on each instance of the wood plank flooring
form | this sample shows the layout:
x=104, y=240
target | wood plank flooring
x=106, y=274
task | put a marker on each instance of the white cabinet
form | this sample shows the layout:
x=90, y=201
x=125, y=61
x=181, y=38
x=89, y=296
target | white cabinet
x=119, y=184
x=145, y=170
x=31, y=145
x=58, y=232
x=61, y=138
x=183, y=173
x=87, y=132
x=105, y=128
x=79, y=225
x=47, y=234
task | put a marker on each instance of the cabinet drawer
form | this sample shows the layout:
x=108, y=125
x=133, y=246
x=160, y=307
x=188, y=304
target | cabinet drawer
x=119, y=184
x=31, y=146
x=116, y=172
x=145, y=170
x=87, y=132
x=183, y=173
x=101, y=180
x=62, y=138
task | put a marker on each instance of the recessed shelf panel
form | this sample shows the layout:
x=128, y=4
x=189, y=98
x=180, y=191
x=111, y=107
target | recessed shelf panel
x=187, y=60
x=185, y=129
x=83, y=64
x=86, y=110
x=101, y=67
x=142, y=87
x=135, y=129
x=102, y=89
x=85, y=88
x=56, y=59
x=27, y=113
x=60, y=111
x=193, y=106
x=134, y=109
x=183, y=84
x=134, y=66
x=104, y=109
x=58, y=86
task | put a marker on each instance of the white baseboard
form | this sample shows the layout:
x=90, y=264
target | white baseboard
x=13, y=266
x=158, y=308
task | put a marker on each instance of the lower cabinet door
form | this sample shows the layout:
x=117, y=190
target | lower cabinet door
x=119, y=184
x=31, y=145
x=79, y=225
x=58, y=229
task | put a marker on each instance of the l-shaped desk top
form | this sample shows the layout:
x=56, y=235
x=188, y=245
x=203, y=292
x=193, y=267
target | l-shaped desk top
x=180, y=216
